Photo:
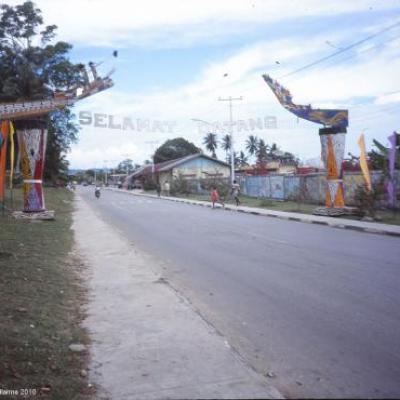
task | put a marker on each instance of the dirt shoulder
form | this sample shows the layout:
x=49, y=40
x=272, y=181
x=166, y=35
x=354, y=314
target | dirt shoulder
x=147, y=340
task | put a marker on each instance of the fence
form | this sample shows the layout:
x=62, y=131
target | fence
x=305, y=188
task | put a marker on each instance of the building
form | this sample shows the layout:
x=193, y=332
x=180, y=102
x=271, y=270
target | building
x=194, y=167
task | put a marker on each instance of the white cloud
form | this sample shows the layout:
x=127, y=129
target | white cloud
x=180, y=23
x=338, y=85
x=388, y=98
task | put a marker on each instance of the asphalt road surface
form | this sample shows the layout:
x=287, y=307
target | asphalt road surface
x=318, y=307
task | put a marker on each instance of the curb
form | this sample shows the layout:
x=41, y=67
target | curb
x=359, y=226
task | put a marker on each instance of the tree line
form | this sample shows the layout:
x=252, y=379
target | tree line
x=255, y=148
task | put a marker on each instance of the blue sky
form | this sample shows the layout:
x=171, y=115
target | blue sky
x=173, y=57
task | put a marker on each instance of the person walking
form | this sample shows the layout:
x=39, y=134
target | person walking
x=167, y=188
x=214, y=195
x=235, y=191
x=158, y=188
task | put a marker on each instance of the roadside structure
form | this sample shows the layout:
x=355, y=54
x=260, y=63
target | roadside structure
x=31, y=128
x=193, y=167
x=332, y=137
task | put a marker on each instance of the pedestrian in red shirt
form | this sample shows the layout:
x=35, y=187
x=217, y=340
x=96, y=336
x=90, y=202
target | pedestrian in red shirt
x=215, y=197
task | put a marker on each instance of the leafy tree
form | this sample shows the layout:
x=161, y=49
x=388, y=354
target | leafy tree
x=379, y=158
x=32, y=68
x=90, y=172
x=125, y=166
x=62, y=131
x=210, y=141
x=173, y=149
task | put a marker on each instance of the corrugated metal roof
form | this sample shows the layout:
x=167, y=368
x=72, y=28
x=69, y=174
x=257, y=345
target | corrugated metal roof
x=168, y=165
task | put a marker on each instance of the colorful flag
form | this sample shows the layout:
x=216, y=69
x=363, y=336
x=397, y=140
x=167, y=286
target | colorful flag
x=391, y=187
x=364, y=163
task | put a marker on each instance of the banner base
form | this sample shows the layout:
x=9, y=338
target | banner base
x=46, y=215
x=335, y=211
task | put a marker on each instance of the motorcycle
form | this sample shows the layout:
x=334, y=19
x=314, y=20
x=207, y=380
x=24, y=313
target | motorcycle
x=97, y=193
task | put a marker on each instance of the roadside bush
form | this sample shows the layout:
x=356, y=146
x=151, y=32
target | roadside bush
x=367, y=200
x=180, y=185
x=149, y=183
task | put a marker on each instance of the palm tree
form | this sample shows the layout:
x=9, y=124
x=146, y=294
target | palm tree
x=272, y=150
x=262, y=152
x=210, y=141
x=252, y=144
x=242, y=159
x=226, y=144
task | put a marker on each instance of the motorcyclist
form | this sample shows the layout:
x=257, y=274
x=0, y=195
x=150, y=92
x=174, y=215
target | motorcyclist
x=97, y=191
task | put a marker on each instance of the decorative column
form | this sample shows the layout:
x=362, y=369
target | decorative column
x=332, y=152
x=32, y=140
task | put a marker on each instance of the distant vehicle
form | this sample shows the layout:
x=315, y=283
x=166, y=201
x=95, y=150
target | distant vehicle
x=85, y=184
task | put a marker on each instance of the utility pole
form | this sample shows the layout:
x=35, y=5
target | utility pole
x=105, y=180
x=230, y=99
x=152, y=143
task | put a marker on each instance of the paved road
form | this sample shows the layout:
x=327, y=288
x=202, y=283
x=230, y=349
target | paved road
x=317, y=306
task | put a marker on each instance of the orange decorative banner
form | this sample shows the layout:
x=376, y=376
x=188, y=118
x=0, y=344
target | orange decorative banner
x=363, y=162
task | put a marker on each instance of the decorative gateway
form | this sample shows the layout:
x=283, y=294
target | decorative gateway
x=332, y=144
x=32, y=136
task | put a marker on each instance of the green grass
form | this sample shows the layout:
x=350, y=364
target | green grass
x=41, y=297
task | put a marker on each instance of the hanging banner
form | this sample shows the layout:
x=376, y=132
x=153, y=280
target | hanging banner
x=4, y=131
x=364, y=163
x=337, y=118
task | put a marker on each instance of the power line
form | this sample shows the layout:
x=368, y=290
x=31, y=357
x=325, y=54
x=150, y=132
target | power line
x=340, y=51
x=349, y=56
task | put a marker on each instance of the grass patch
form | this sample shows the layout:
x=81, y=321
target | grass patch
x=41, y=297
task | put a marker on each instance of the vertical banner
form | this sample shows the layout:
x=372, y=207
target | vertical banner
x=364, y=163
x=32, y=138
x=391, y=187
x=4, y=131
x=332, y=153
x=12, y=154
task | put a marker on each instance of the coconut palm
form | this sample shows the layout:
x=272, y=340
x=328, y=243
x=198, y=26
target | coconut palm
x=242, y=159
x=226, y=144
x=252, y=144
x=210, y=141
x=262, y=152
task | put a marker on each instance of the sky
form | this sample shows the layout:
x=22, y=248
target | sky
x=177, y=58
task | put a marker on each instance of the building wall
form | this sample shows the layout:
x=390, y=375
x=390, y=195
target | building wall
x=201, y=168
x=163, y=177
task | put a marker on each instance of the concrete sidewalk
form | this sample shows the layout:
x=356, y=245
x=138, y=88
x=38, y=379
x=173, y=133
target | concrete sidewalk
x=335, y=222
x=148, y=342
